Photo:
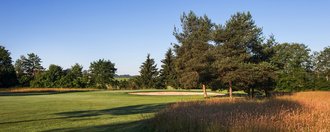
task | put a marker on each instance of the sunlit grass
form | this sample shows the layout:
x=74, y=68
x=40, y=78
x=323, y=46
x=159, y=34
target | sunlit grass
x=79, y=111
x=306, y=111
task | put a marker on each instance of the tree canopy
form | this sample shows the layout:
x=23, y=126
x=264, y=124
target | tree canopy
x=7, y=72
x=193, y=60
x=102, y=73
x=27, y=68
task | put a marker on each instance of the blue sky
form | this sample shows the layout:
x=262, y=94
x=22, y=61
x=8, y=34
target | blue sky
x=65, y=32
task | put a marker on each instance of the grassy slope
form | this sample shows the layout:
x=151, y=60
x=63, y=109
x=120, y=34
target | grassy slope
x=97, y=110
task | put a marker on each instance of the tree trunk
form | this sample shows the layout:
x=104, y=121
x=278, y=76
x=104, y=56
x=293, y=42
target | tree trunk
x=327, y=77
x=230, y=90
x=204, y=91
x=267, y=93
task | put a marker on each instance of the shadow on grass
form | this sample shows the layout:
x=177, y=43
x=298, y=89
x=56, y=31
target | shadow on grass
x=127, y=126
x=234, y=95
x=32, y=93
x=127, y=110
x=32, y=120
x=81, y=115
x=135, y=126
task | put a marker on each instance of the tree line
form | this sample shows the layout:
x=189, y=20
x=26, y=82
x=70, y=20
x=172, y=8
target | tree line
x=235, y=55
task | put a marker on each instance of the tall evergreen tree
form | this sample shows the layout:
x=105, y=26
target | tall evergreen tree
x=168, y=74
x=27, y=67
x=193, y=60
x=238, y=46
x=7, y=72
x=148, y=73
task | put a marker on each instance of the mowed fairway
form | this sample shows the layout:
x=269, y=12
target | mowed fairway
x=80, y=111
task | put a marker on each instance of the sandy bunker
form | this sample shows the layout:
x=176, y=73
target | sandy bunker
x=175, y=93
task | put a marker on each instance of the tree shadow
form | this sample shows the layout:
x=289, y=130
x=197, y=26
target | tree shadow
x=33, y=93
x=127, y=110
x=234, y=95
x=32, y=120
x=44, y=119
x=135, y=126
x=82, y=115
x=127, y=126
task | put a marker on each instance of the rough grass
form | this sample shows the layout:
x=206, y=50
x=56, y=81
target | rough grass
x=79, y=111
x=306, y=111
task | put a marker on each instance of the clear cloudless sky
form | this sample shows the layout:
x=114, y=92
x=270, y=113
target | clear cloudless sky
x=65, y=32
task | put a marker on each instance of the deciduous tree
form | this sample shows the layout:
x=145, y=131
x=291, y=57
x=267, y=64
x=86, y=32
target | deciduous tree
x=7, y=72
x=293, y=62
x=102, y=72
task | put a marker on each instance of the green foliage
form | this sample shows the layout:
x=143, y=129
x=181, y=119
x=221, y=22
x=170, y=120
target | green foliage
x=7, y=72
x=239, y=38
x=293, y=62
x=56, y=77
x=193, y=62
x=125, y=84
x=102, y=73
x=50, y=78
x=322, y=69
x=168, y=74
x=73, y=78
x=27, y=68
x=148, y=74
x=241, y=56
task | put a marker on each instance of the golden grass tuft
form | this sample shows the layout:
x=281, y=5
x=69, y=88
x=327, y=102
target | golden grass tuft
x=305, y=111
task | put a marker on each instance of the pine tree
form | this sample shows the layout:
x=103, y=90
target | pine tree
x=193, y=59
x=167, y=73
x=27, y=67
x=238, y=46
x=148, y=73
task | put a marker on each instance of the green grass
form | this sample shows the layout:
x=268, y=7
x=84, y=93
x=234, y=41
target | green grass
x=80, y=111
x=122, y=78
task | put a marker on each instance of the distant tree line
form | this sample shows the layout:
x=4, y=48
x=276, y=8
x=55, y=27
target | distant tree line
x=235, y=56
x=28, y=72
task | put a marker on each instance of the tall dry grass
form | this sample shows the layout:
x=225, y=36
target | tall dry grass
x=306, y=111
